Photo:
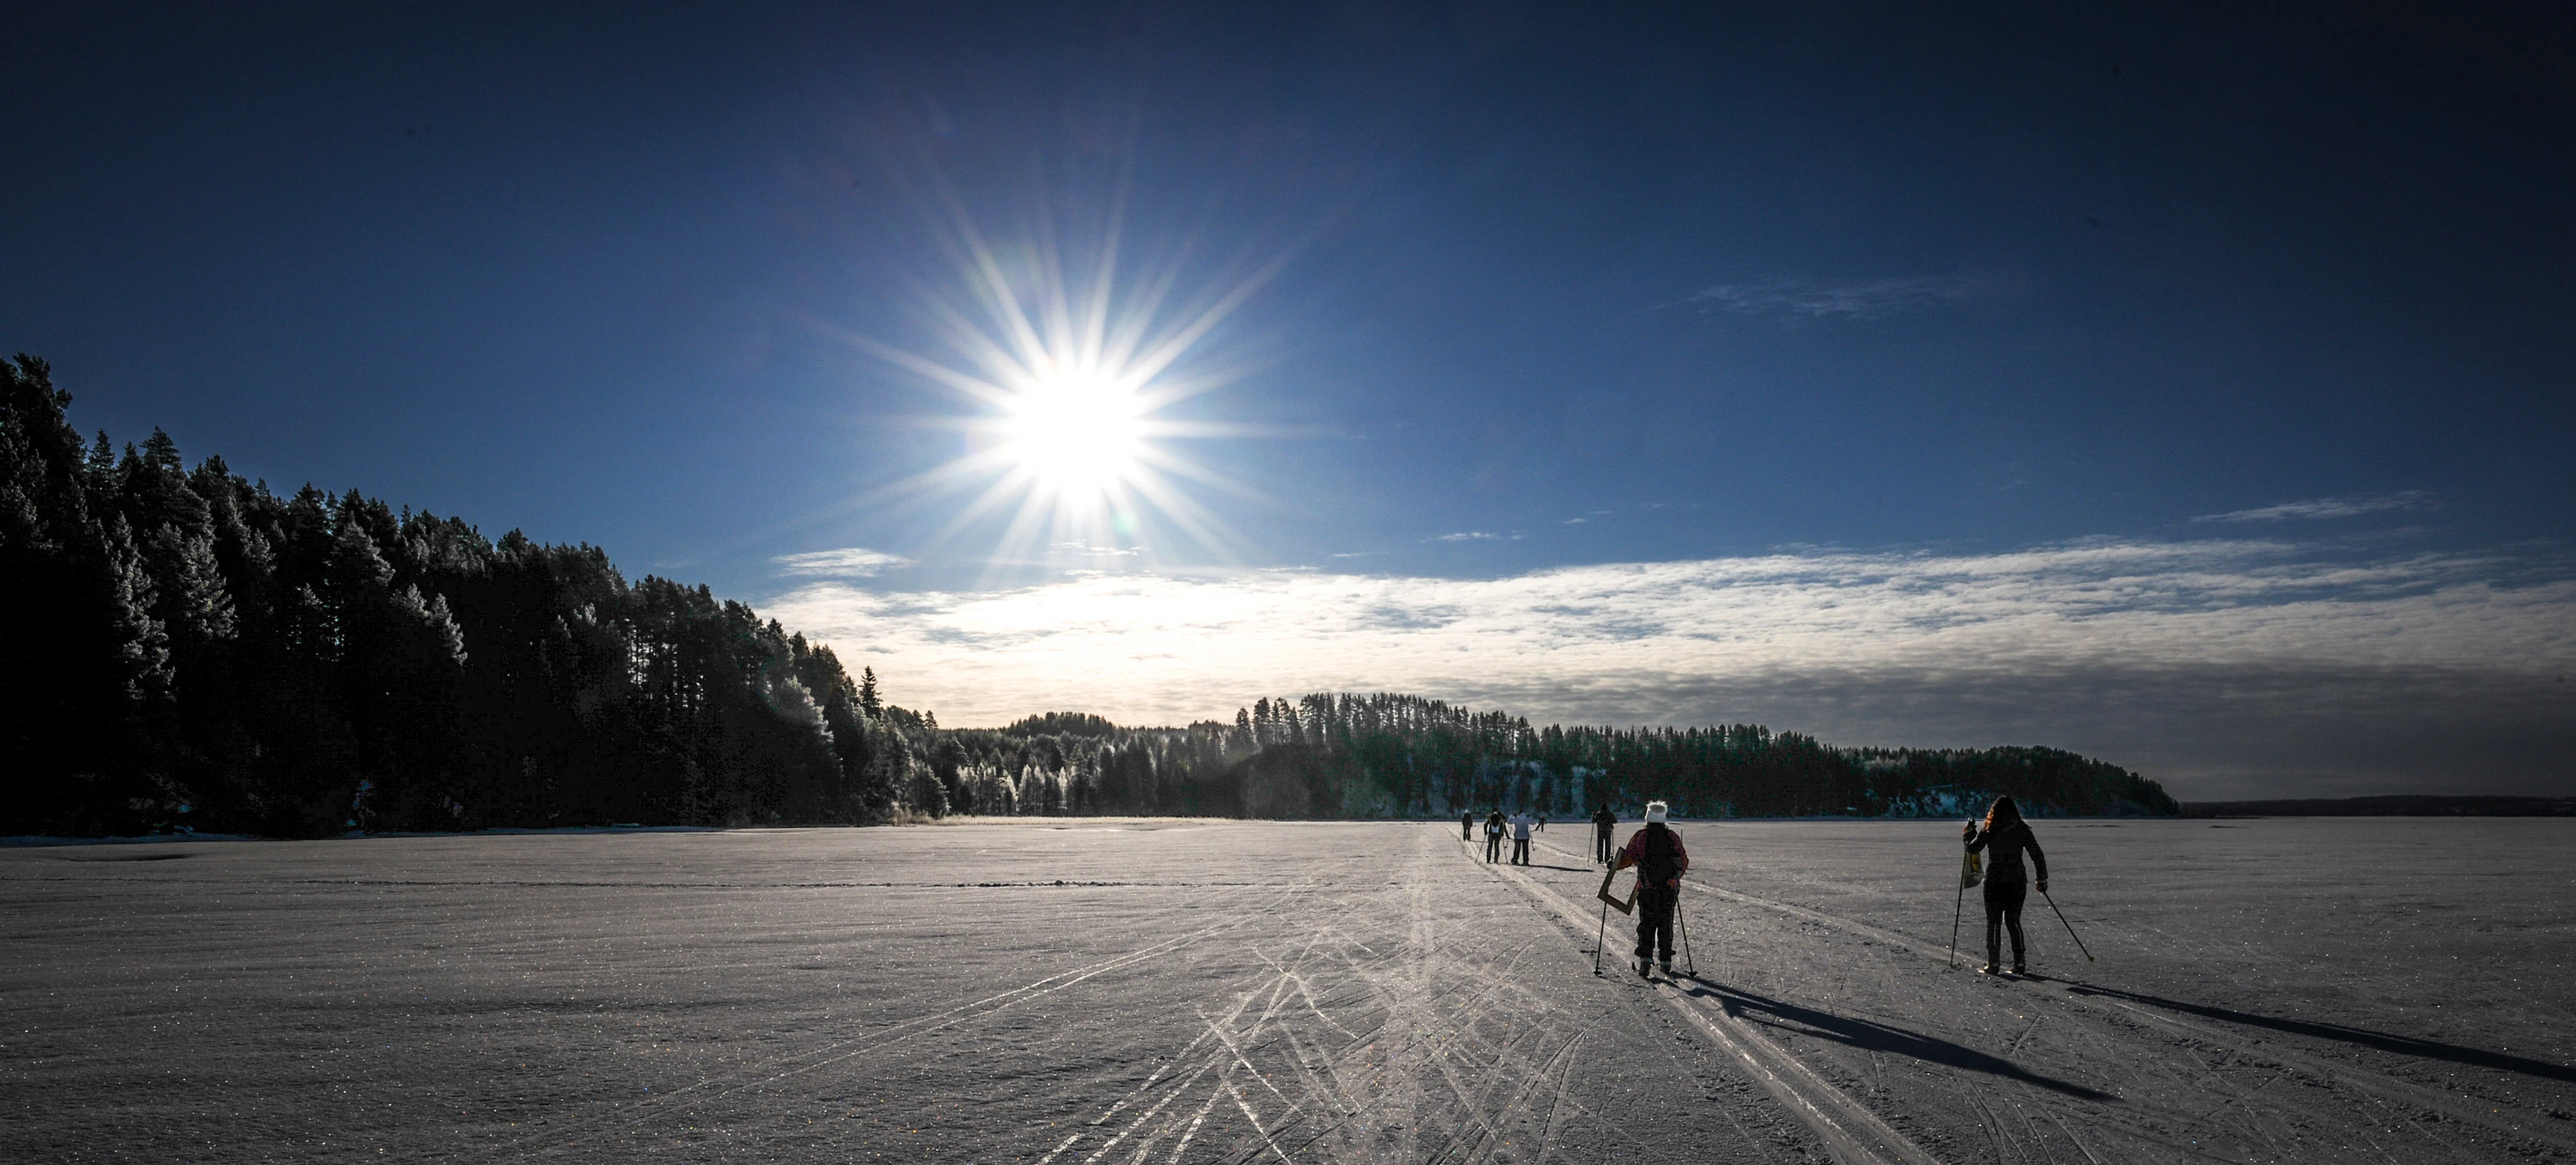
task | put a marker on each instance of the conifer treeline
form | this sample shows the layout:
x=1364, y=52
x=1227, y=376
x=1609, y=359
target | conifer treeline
x=184, y=649
x=1341, y=755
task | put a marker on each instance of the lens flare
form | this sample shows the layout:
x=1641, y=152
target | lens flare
x=1069, y=379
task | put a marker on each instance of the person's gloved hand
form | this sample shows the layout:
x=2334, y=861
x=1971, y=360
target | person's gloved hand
x=2043, y=885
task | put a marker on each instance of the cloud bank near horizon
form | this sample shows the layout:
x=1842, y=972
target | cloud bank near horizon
x=2224, y=667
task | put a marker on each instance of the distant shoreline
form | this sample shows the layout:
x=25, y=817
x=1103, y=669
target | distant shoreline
x=2406, y=805
x=2388, y=806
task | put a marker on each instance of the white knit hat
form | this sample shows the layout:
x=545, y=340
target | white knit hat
x=1656, y=811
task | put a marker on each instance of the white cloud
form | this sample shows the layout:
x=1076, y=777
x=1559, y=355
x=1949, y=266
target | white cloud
x=2209, y=661
x=1865, y=300
x=2343, y=507
x=1470, y=536
x=848, y=562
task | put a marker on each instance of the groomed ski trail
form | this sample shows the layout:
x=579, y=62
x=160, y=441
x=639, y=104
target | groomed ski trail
x=1850, y=1131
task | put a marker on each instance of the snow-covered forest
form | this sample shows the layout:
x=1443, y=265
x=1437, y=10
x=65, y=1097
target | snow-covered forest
x=188, y=650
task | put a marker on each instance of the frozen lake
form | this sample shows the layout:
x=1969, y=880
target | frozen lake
x=1185, y=991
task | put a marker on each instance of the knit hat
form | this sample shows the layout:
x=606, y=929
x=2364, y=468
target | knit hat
x=1657, y=811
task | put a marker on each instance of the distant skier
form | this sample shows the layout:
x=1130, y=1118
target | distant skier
x=1466, y=824
x=1494, y=836
x=1520, y=839
x=1542, y=823
x=1603, y=820
x=2003, y=837
x=1661, y=861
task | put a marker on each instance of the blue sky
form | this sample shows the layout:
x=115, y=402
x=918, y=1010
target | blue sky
x=2189, y=388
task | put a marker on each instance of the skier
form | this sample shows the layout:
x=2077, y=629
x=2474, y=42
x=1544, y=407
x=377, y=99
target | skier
x=1520, y=839
x=1494, y=836
x=1602, y=821
x=1542, y=823
x=1466, y=824
x=1661, y=861
x=2003, y=836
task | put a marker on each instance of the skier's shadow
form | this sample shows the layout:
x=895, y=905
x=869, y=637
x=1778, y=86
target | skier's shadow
x=1879, y=1037
x=2384, y=1041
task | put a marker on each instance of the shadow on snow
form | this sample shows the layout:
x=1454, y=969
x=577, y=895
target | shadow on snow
x=2400, y=1045
x=1879, y=1037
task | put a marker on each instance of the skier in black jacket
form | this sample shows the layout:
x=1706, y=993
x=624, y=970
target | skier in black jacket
x=1602, y=821
x=2004, y=835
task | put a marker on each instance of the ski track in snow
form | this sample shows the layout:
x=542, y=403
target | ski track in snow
x=2378, y=1089
x=1292, y=993
x=885, y=1040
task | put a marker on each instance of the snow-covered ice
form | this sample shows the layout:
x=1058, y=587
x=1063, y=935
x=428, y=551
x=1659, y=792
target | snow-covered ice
x=1183, y=991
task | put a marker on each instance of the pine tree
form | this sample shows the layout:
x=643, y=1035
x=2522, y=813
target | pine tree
x=194, y=603
x=140, y=646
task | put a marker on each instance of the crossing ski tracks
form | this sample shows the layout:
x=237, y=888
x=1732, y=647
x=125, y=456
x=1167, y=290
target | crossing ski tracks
x=2520, y=1125
x=1185, y=993
x=1855, y=1135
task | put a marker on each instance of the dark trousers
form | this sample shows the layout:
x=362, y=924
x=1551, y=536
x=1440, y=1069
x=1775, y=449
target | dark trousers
x=1601, y=846
x=1465, y=831
x=1520, y=851
x=2003, y=911
x=1493, y=847
x=1655, y=921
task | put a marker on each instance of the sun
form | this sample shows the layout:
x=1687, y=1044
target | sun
x=1077, y=433
x=1081, y=382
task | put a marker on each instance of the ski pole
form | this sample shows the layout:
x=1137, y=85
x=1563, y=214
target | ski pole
x=1684, y=920
x=1956, y=908
x=2070, y=927
x=1600, y=935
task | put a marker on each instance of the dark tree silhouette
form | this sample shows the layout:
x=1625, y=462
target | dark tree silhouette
x=1341, y=755
x=187, y=650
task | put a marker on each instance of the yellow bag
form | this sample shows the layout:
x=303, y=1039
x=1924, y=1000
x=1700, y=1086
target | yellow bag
x=1971, y=872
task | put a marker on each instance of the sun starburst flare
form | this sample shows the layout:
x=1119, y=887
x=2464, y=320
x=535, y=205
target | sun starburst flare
x=1068, y=377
